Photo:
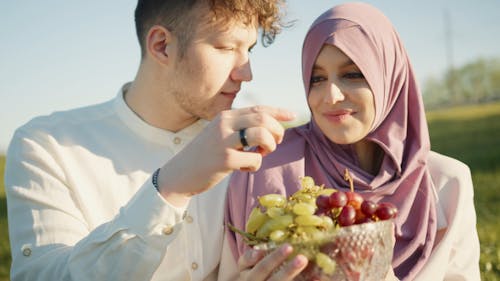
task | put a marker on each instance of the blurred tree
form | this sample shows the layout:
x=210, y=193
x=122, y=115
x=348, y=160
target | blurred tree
x=475, y=82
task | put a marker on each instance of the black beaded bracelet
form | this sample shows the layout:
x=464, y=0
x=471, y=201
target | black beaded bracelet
x=155, y=179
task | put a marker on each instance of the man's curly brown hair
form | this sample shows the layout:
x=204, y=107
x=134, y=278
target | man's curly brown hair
x=182, y=17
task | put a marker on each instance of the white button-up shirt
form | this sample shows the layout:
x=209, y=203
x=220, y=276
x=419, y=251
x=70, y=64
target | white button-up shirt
x=81, y=204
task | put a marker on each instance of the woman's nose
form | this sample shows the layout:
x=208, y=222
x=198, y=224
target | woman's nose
x=334, y=94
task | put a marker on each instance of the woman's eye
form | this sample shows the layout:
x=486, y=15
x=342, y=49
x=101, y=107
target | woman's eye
x=354, y=75
x=316, y=79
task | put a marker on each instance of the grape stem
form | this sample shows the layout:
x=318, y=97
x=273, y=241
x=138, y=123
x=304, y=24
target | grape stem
x=347, y=177
x=249, y=238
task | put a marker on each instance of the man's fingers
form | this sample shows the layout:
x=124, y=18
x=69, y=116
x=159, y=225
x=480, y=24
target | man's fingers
x=256, y=136
x=245, y=161
x=279, y=114
x=260, y=120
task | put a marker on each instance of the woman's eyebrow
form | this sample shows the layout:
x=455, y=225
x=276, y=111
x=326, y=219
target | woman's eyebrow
x=348, y=62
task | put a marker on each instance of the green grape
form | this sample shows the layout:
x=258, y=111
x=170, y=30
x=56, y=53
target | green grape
x=272, y=200
x=304, y=197
x=307, y=182
x=325, y=263
x=327, y=191
x=255, y=220
x=278, y=235
x=305, y=229
x=304, y=209
x=327, y=222
x=308, y=220
x=309, y=234
x=275, y=212
x=278, y=223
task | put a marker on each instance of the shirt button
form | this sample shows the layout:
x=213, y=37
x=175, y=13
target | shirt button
x=189, y=219
x=194, y=266
x=177, y=140
x=26, y=251
x=167, y=230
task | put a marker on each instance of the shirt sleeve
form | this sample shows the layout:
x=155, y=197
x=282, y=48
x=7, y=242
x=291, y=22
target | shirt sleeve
x=455, y=257
x=465, y=250
x=50, y=237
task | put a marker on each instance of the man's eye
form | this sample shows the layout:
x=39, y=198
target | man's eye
x=225, y=48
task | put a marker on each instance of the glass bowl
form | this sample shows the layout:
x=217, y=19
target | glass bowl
x=361, y=252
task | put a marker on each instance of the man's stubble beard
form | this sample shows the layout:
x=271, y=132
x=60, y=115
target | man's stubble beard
x=193, y=107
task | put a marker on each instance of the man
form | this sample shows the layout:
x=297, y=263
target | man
x=134, y=188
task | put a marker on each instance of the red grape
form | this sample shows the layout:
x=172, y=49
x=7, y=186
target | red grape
x=360, y=216
x=354, y=199
x=365, y=220
x=347, y=216
x=368, y=208
x=386, y=211
x=323, y=202
x=338, y=199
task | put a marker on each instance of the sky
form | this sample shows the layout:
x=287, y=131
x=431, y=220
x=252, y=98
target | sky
x=57, y=55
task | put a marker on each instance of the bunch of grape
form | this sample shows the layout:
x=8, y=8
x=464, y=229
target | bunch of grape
x=348, y=208
x=309, y=218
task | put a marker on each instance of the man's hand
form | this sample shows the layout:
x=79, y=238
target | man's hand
x=217, y=151
x=254, y=265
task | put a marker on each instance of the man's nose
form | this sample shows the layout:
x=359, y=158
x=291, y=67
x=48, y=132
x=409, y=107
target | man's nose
x=242, y=72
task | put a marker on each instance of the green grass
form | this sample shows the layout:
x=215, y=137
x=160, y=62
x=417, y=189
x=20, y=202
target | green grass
x=5, y=258
x=470, y=134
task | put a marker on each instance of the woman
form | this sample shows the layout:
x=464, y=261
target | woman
x=368, y=117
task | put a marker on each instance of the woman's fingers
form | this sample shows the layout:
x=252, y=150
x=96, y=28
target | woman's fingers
x=291, y=269
x=250, y=258
x=254, y=266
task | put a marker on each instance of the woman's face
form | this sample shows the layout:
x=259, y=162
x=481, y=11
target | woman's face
x=340, y=98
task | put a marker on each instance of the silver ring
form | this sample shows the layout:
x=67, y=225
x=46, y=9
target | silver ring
x=243, y=139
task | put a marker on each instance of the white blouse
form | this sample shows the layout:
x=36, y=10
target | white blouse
x=81, y=205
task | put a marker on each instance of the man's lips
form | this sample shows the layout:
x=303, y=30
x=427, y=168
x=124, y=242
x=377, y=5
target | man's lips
x=231, y=94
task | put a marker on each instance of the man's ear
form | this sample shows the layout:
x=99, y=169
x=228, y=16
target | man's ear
x=159, y=41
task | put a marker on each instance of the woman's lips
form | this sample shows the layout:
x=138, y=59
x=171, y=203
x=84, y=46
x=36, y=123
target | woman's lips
x=338, y=115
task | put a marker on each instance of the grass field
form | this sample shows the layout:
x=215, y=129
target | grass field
x=470, y=134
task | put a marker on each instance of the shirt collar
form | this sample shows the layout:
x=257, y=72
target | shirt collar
x=149, y=132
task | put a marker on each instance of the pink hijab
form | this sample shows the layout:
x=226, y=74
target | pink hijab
x=365, y=35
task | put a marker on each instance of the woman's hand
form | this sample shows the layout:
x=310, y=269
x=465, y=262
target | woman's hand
x=255, y=265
